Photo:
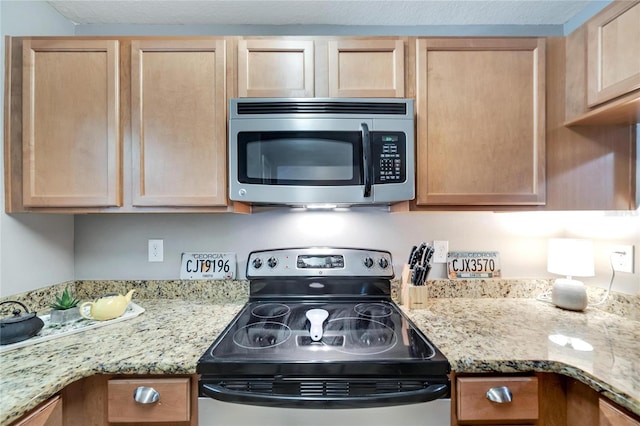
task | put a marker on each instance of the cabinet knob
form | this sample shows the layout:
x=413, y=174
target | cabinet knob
x=146, y=395
x=499, y=394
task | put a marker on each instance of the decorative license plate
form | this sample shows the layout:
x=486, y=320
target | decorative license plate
x=200, y=266
x=473, y=264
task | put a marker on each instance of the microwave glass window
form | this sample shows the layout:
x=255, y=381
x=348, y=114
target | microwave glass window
x=300, y=158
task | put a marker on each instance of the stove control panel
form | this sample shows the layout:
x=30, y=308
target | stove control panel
x=319, y=261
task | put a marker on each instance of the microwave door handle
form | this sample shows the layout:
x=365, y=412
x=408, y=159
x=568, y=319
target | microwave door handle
x=366, y=159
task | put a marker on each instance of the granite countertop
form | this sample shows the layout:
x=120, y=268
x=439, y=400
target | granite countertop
x=476, y=335
x=513, y=335
x=168, y=338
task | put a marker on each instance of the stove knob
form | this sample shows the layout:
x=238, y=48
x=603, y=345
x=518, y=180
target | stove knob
x=368, y=262
x=272, y=262
x=383, y=263
x=257, y=263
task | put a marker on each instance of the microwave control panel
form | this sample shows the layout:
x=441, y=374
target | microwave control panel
x=389, y=157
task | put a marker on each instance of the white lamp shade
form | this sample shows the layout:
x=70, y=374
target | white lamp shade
x=571, y=257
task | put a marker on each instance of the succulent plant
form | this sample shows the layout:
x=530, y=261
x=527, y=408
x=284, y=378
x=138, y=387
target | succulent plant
x=65, y=301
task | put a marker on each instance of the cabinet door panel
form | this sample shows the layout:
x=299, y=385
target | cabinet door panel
x=49, y=414
x=71, y=136
x=612, y=416
x=481, y=122
x=614, y=52
x=275, y=68
x=178, y=122
x=366, y=68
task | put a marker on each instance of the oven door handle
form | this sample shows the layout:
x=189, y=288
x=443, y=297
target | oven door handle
x=430, y=393
x=366, y=159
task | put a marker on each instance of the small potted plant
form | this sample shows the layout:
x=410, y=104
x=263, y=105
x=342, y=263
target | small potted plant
x=65, y=308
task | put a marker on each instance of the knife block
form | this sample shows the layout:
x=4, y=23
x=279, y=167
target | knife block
x=412, y=296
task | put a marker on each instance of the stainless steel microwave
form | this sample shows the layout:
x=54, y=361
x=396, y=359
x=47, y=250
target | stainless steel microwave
x=305, y=151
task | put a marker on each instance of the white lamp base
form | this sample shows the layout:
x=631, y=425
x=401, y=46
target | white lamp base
x=569, y=294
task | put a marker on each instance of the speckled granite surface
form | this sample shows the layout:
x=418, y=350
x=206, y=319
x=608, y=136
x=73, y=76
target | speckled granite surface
x=485, y=333
x=168, y=338
x=512, y=335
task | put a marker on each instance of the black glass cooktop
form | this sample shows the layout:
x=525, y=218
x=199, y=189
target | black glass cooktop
x=272, y=337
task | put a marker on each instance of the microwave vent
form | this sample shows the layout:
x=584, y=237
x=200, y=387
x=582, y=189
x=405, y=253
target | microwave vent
x=302, y=107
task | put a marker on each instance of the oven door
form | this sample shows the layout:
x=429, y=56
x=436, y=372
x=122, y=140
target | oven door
x=212, y=412
x=298, y=161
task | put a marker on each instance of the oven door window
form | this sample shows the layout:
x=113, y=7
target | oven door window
x=316, y=158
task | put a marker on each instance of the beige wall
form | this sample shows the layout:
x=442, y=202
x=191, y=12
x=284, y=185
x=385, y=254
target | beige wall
x=115, y=247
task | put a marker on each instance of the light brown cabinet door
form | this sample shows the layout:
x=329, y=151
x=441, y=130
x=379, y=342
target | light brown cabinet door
x=612, y=416
x=613, y=52
x=178, y=108
x=48, y=414
x=71, y=141
x=366, y=68
x=275, y=68
x=480, y=121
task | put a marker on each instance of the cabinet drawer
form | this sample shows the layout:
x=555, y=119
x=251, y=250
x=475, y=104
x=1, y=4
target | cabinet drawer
x=173, y=405
x=473, y=404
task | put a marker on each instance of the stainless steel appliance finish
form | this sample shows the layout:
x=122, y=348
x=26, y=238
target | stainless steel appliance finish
x=343, y=151
x=320, y=334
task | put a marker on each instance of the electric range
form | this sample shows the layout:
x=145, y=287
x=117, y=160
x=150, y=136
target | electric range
x=320, y=330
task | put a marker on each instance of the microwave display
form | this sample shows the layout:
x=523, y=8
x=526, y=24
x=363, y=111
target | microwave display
x=388, y=152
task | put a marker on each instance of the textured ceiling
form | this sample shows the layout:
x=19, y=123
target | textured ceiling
x=322, y=12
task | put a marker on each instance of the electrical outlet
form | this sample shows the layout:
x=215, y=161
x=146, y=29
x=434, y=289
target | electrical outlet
x=622, y=258
x=156, y=251
x=441, y=249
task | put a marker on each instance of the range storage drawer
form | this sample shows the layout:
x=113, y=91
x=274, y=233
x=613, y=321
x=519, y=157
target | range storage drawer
x=473, y=403
x=173, y=402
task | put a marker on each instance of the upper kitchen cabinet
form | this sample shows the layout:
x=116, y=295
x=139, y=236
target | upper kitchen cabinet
x=275, y=68
x=480, y=122
x=178, y=122
x=603, y=68
x=366, y=68
x=613, y=53
x=70, y=125
x=321, y=67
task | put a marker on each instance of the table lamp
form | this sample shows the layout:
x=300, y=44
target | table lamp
x=570, y=257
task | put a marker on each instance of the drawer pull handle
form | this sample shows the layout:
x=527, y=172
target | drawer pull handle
x=499, y=394
x=146, y=395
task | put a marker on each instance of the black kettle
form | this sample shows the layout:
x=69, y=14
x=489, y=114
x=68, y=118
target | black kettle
x=20, y=326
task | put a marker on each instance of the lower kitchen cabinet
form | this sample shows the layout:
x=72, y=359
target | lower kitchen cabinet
x=148, y=400
x=487, y=400
x=586, y=407
x=47, y=414
x=541, y=399
x=105, y=400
